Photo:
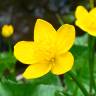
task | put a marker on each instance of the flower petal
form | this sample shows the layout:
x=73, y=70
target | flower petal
x=65, y=38
x=28, y=53
x=36, y=70
x=63, y=64
x=87, y=26
x=86, y=20
x=44, y=32
x=82, y=24
x=92, y=14
x=81, y=13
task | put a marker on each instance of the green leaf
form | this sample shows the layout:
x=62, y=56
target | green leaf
x=82, y=40
x=47, y=79
x=81, y=70
x=7, y=61
x=10, y=88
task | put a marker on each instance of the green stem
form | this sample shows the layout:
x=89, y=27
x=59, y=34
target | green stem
x=9, y=46
x=59, y=19
x=72, y=75
x=12, y=71
x=91, y=43
x=62, y=93
x=91, y=3
x=91, y=49
x=66, y=94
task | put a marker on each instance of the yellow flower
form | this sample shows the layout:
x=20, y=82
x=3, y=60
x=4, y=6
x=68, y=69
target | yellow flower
x=7, y=30
x=86, y=20
x=48, y=52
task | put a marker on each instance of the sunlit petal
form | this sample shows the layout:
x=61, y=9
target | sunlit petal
x=86, y=20
x=89, y=27
x=81, y=13
x=28, y=52
x=92, y=14
x=65, y=38
x=36, y=70
x=44, y=32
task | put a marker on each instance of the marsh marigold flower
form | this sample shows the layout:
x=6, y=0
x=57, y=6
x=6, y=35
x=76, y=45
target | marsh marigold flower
x=48, y=52
x=7, y=30
x=86, y=20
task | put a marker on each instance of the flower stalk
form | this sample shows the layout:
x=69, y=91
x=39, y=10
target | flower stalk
x=91, y=3
x=91, y=50
x=59, y=19
x=79, y=84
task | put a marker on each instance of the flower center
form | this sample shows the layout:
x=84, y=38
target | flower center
x=52, y=60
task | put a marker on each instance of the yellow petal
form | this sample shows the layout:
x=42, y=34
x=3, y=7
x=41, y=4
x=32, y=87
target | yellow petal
x=63, y=64
x=92, y=29
x=88, y=26
x=44, y=32
x=28, y=53
x=65, y=38
x=86, y=20
x=82, y=24
x=81, y=13
x=92, y=14
x=36, y=70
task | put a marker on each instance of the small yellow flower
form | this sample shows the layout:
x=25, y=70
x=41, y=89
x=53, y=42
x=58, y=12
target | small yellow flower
x=7, y=30
x=48, y=52
x=86, y=20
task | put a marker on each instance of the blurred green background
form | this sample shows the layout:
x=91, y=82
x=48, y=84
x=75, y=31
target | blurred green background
x=22, y=14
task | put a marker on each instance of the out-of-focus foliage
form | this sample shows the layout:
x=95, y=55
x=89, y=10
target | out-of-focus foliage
x=39, y=87
x=22, y=14
x=7, y=62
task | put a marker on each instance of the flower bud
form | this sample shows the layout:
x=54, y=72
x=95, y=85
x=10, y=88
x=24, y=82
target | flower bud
x=7, y=30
